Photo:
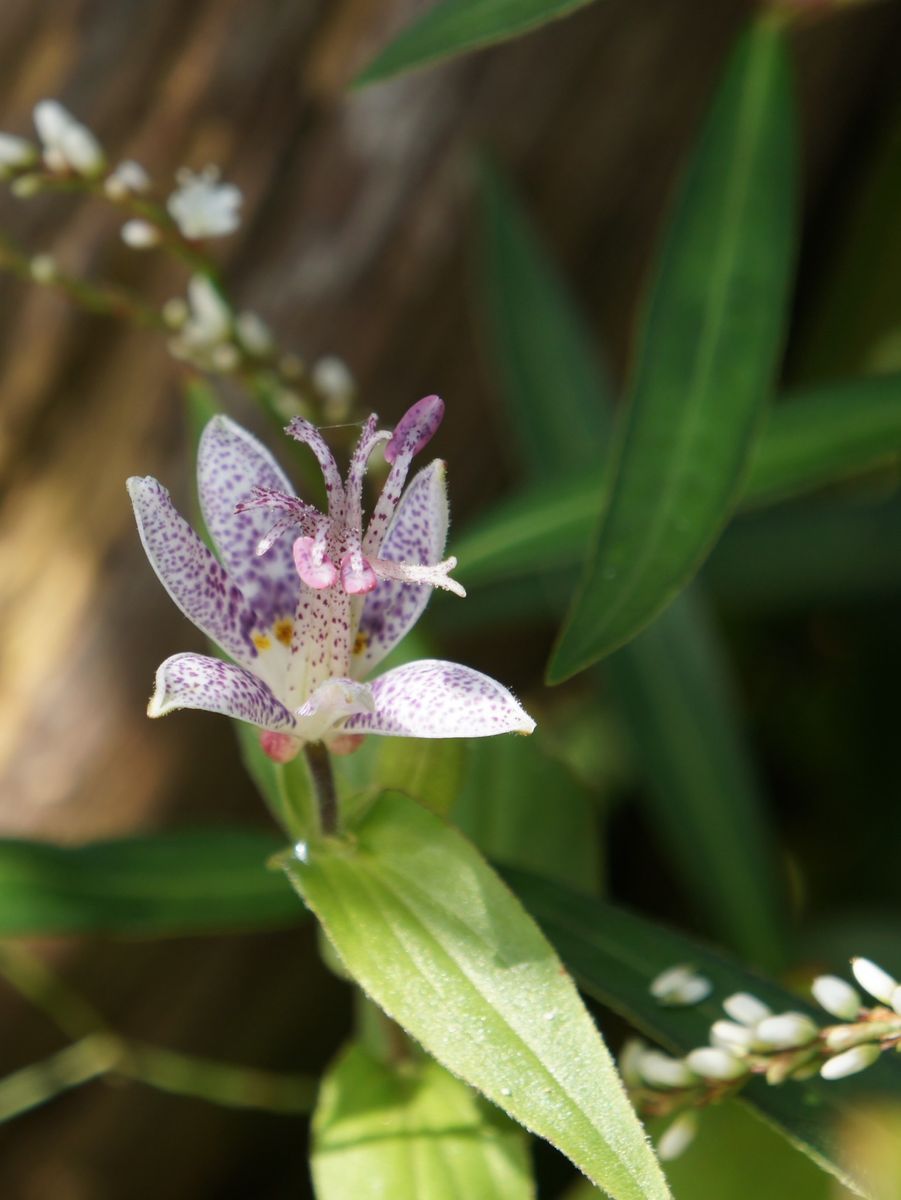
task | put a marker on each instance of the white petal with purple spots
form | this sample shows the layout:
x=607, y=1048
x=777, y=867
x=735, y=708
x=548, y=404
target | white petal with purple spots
x=417, y=534
x=197, y=583
x=196, y=681
x=230, y=464
x=434, y=699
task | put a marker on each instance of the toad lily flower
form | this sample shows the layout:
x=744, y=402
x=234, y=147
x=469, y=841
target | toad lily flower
x=306, y=620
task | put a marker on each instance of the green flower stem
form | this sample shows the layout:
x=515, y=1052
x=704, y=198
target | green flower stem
x=69, y=1011
x=86, y=1059
x=320, y=765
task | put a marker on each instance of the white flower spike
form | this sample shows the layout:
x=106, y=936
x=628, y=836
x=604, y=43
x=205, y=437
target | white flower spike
x=202, y=206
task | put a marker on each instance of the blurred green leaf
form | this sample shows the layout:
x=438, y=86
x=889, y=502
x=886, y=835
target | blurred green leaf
x=559, y=400
x=410, y=1131
x=524, y=808
x=452, y=27
x=671, y=688
x=614, y=954
x=708, y=353
x=158, y=886
x=437, y=941
x=813, y=437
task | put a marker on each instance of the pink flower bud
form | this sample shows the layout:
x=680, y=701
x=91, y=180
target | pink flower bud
x=416, y=428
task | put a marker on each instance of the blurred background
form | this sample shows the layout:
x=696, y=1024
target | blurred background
x=361, y=237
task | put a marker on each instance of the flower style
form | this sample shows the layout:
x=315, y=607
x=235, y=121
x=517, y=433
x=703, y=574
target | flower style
x=203, y=207
x=306, y=618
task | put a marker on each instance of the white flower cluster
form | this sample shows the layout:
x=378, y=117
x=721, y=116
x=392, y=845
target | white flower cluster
x=754, y=1039
x=66, y=146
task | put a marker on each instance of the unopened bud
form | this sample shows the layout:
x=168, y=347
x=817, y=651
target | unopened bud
x=745, y=1008
x=786, y=1030
x=678, y=1137
x=732, y=1036
x=128, y=179
x=15, y=153
x=43, y=268
x=140, y=235
x=631, y=1053
x=850, y=1062
x=680, y=985
x=714, y=1062
x=175, y=312
x=873, y=979
x=836, y=996
x=253, y=334
x=662, y=1070
x=225, y=357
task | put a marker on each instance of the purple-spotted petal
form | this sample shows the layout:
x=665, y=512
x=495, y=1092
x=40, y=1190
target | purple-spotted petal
x=416, y=428
x=231, y=463
x=196, y=681
x=416, y=535
x=188, y=571
x=433, y=699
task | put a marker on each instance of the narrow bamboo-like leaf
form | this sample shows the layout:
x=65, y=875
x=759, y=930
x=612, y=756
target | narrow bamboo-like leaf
x=615, y=954
x=559, y=402
x=812, y=437
x=522, y=807
x=708, y=354
x=411, y=1131
x=437, y=941
x=166, y=884
x=452, y=27
x=671, y=689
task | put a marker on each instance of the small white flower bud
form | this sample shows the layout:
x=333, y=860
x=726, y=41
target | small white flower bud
x=629, y=1061
x=662, y=1070
x=67, y=144
x=43, y=268
x=786, y=1030
x=253, y=334
x=210, y=315
x=714, y=1062
x=175, y=312
x=82, y=151
x=843, y=1037
x=679, y=985
x=202, y=207
x=678, y=1137
x=140, y=235
x=732, y=1036
x=288, y=404
x=896, y=999
x=128, y=179
x=745, y=1008
x=15, y=152
x=873, y=979
x=332, y=379
x=836, y=996
x=850, y=1062
x=225, y=356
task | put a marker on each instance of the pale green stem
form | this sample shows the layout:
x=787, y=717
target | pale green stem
x=84, y=1060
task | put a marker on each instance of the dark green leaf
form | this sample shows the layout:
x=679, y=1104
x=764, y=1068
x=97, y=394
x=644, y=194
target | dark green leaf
x=671, y=689
x=411, y=1131
x=454, y=26
x=166, y=884
x=615, y=954
x=706, y=362
x=437, y=941
x=559, y=402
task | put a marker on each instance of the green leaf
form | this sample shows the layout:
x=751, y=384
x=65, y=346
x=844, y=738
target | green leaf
x=671, y=688
x=812, y=437
x=437, y=941
x=708, y=353
x=429, y=770
x=163, y=885
x=614, y=955
x=410, y=1131
x=524, y=808
x=452, y=27
x=558, y=398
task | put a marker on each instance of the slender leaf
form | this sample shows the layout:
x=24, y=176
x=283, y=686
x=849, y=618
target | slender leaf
x=410, y=1131
x=559, y=401
x=437, y=941
x=708, y=354
x=671, y=688
x=614, y=954
x=163, y=885
x=452, y=27
x=522, y=807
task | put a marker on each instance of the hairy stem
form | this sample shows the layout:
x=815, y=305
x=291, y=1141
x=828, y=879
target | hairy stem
x=320, y=765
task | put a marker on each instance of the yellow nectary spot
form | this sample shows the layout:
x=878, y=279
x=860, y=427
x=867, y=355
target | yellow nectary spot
x=284, y=630
x=361, y=641
x=261, y=641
